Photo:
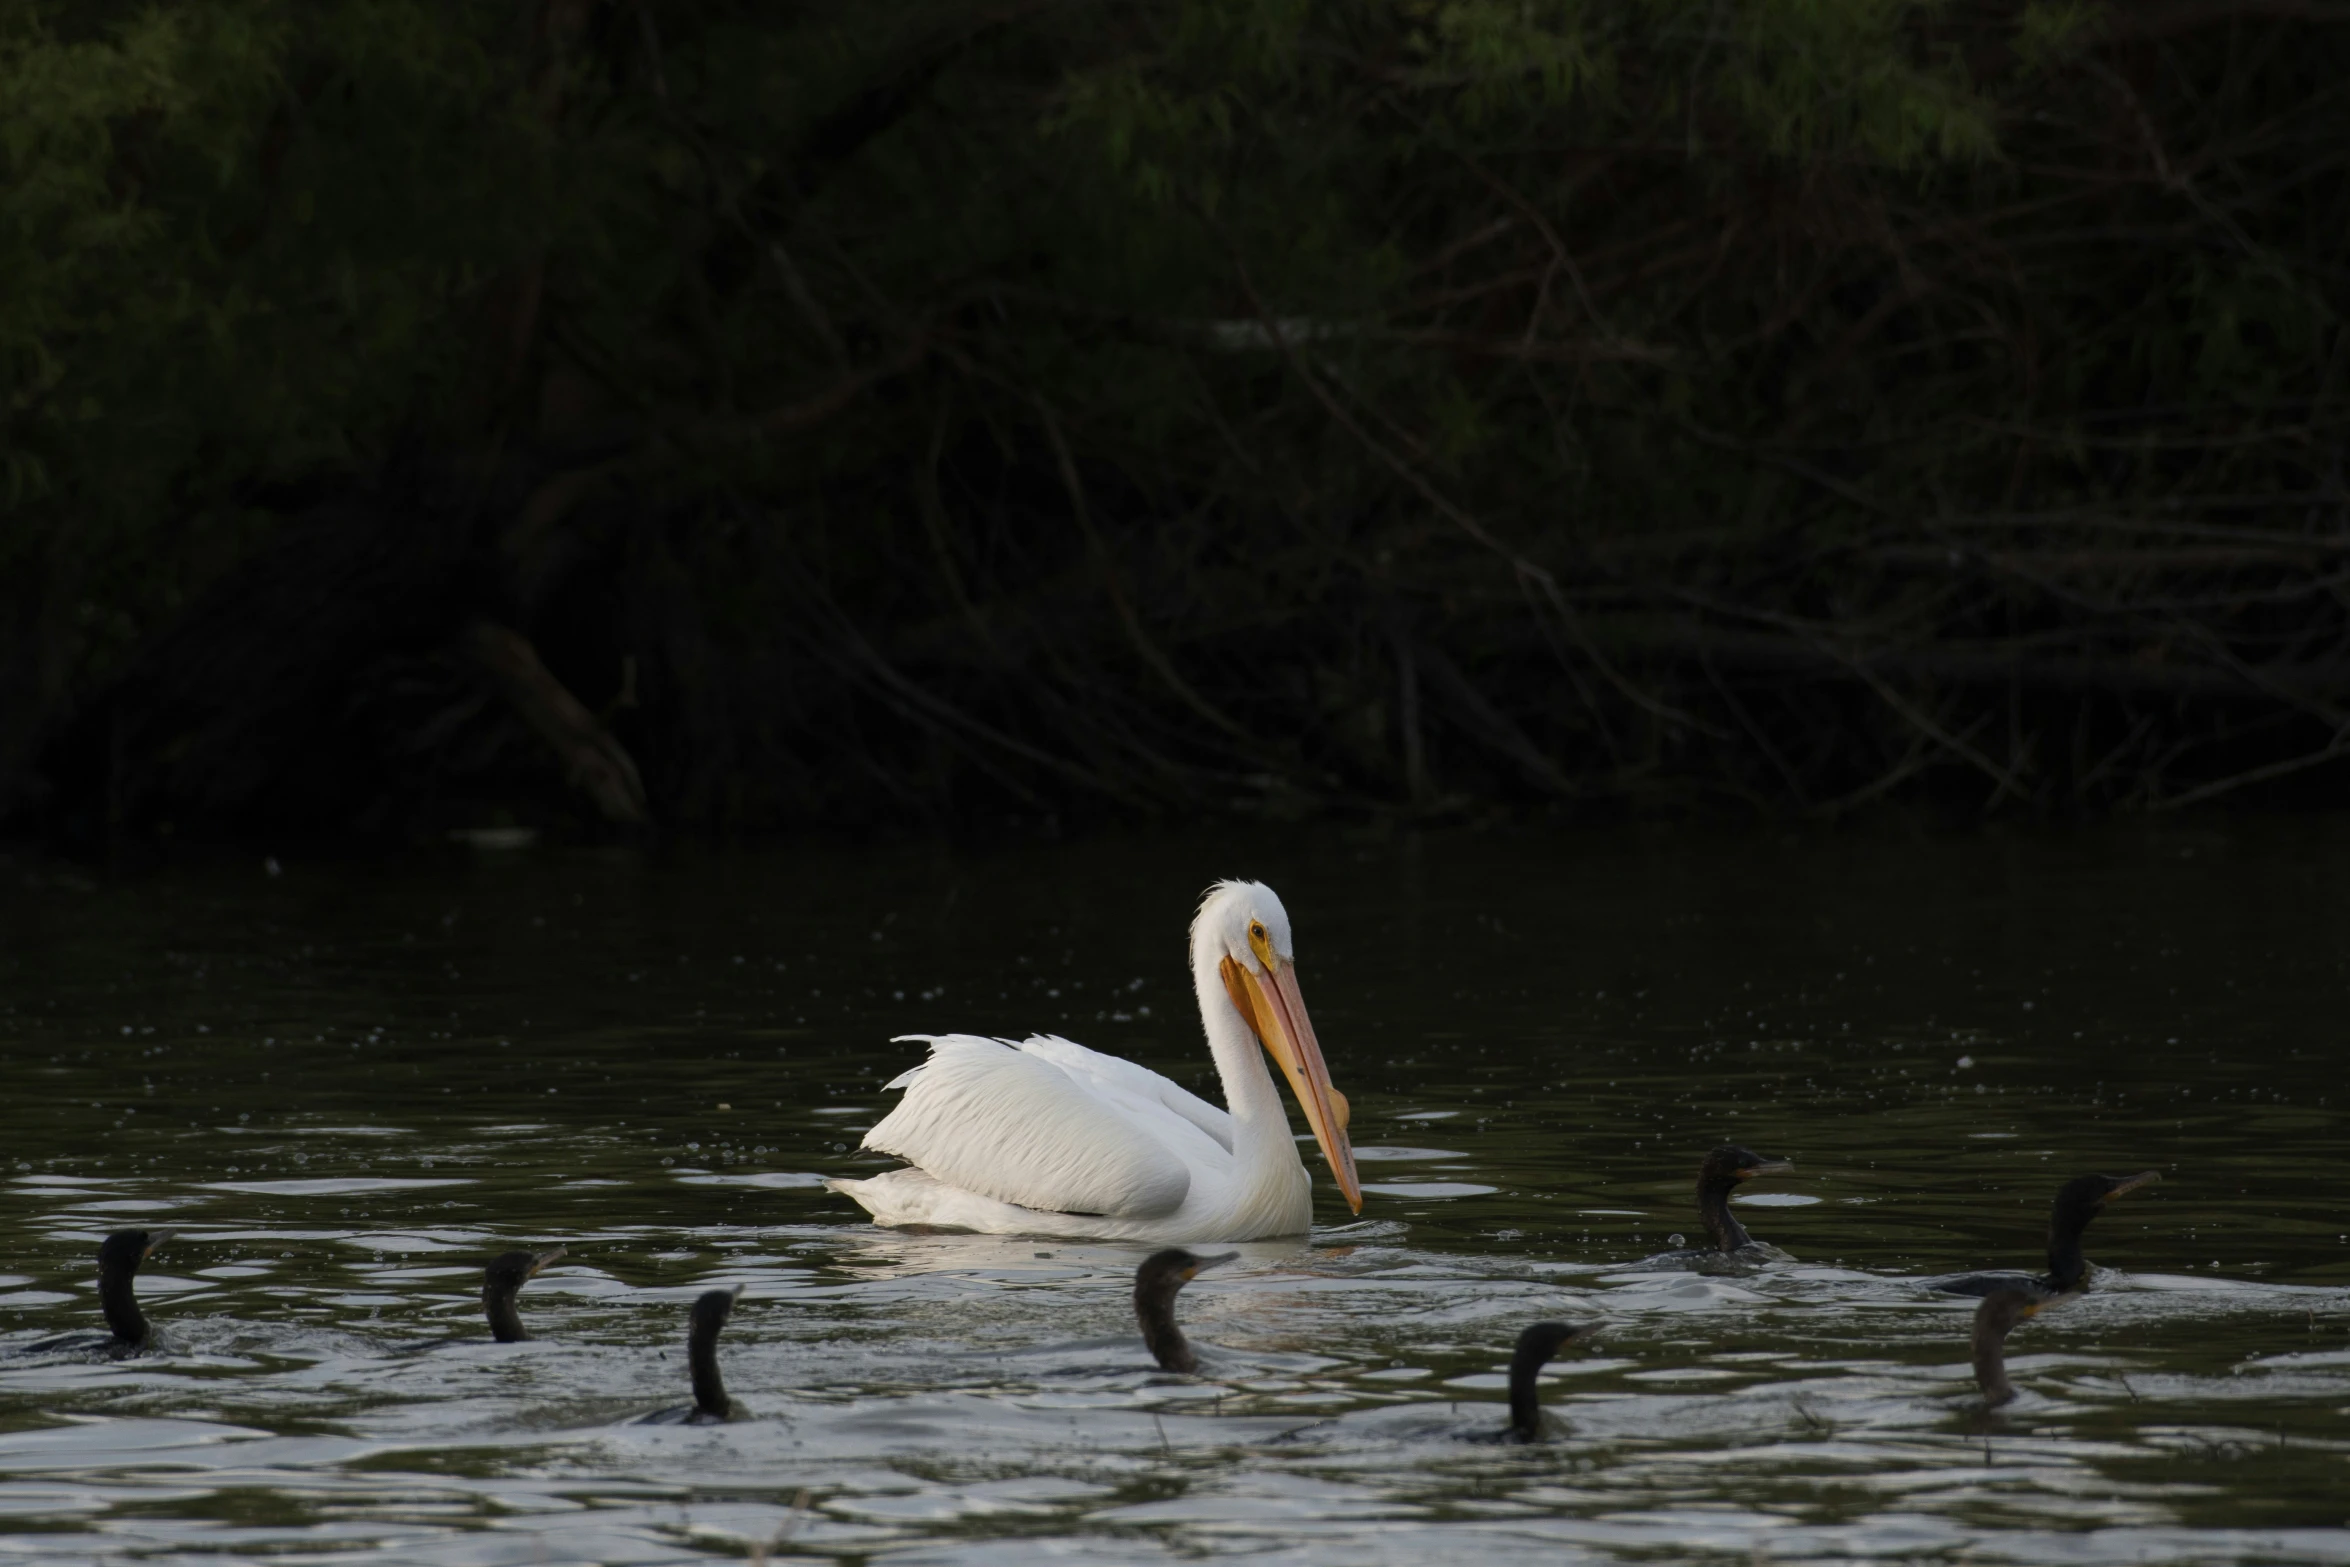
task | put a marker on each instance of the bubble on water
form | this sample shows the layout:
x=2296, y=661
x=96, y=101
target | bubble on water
x=1676, y=1240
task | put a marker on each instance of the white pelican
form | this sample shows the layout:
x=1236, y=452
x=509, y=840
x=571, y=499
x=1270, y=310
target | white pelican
x=1046, y=1137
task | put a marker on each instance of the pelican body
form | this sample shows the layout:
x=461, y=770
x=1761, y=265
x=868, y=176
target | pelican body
x=1046, y=1137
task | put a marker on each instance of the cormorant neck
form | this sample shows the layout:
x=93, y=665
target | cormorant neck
x=1165, y=1340
x=2068, y=1264
x=701, y=1353
x=121, y=1306
x=1525, y=1392
x=1713, y=1203
x=505, y=1321
x=1991, y=1359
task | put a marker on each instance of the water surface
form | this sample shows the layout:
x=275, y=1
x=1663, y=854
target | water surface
x=346, y=1084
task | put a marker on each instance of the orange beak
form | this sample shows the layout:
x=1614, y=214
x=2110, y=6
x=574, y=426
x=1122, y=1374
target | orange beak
x=1277, y=1012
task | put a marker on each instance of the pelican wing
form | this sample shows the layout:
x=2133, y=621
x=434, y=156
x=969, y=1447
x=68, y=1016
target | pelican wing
x=1117, y=1075
x=1015, y=1125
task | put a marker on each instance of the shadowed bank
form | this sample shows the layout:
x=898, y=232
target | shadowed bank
x=706, y=416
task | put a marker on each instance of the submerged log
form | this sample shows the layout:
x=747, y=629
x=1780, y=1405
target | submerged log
x=596, y=762
x=361, y=669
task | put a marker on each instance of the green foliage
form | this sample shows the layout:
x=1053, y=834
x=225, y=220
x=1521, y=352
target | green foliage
x=1442, y=307
x=239, y=235
x=2050, y=30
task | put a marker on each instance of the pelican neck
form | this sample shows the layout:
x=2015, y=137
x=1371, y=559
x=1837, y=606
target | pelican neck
x=1260, y=1126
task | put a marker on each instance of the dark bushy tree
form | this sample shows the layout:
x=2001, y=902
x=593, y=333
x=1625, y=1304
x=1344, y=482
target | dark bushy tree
x=727, y=413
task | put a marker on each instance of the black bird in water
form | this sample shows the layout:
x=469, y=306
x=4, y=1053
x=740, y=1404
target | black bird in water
x=1717, y=1178
x=1721, y=1174
x=118, y=1265
x=119, y=1257
x=2078, y=1201
x=1156, y=1284
x=1536, y=1348
x=711, y=1406
x=2000, y=1311
x=501, y=1281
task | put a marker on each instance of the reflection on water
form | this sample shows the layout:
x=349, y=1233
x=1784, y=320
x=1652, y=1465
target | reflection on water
x=346, y=1086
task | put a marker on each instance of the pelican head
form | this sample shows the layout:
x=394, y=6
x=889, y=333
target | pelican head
x=1243, y=930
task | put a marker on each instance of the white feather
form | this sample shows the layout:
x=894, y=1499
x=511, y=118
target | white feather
x=1117, y=1074
x=1082, y=1147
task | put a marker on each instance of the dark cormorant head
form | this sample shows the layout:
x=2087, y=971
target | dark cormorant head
x=711, y=1309
x=1164, y=1273
x=121, y=1253
x=119, y=1256
x=1729, y=1164
x=1156, y=1284
x=1536, y=1346
x=501, y=1281
x=2081, y=1199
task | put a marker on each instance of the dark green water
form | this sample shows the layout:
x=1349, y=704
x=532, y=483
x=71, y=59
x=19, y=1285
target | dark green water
x=346, y=1085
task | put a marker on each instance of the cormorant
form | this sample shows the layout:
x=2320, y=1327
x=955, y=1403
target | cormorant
x=119, y=1256
x=501, y=1281
x=2000, y=1311
x=118, y=1264
x=1156, y=1284
x=1717, y=1177
x=711, y=1406
x=2077, y=1202
x=1536, y=1347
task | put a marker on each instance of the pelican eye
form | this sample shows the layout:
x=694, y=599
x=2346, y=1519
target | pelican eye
x=1261, y=944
